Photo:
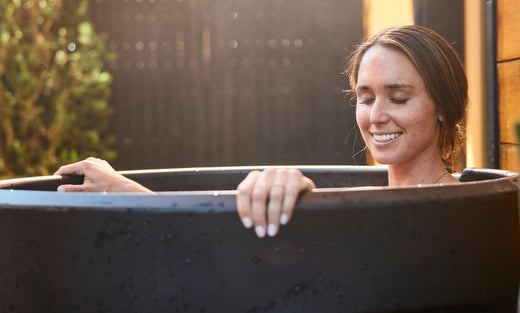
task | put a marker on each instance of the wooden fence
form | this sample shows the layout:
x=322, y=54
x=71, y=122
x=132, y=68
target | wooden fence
x=231, y=82
x=508, y=68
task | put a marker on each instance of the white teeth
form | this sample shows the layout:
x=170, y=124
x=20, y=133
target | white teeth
x=386, y=137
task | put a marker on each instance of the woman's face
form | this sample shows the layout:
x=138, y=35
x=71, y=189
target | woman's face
x=395, y=113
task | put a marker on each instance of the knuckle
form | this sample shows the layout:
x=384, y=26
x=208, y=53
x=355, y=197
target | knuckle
x=242, y=189
x=249, y=180
x=269, y=173
x=270, y=170
x=253, y=174
x=292, y=192
x=284, y=171
x=276, y=194
x=293, y=172
x=258, y=195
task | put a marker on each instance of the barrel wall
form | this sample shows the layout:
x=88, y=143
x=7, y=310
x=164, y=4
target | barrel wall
x=369, y=249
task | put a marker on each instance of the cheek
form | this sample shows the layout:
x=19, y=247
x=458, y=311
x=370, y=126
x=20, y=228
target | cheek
x=362, y=117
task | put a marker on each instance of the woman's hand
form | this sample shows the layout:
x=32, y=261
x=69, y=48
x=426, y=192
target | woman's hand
x=270, y=194
x=99, y=176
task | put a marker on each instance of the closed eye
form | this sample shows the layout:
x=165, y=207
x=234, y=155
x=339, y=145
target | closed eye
x=366, y=101
x=399, y=101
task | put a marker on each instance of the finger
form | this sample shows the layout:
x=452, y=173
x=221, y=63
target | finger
x=77, y=168
x=243, y=199
x=259, y=200
x=296, y=183
x=274, y=207
x=81, y=167
x=72, y=188
x=70, y=169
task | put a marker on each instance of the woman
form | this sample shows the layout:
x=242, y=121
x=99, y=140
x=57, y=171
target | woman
x=411, y=94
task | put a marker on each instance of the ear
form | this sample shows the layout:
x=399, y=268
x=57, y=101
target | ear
x=441, y=118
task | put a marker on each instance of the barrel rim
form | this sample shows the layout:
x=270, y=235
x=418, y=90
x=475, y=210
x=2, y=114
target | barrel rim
x=224, y=200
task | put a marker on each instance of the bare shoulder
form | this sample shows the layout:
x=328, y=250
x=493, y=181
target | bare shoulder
x=449, y=179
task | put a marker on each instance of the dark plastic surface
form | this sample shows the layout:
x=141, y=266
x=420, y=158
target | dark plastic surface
x=426, y=249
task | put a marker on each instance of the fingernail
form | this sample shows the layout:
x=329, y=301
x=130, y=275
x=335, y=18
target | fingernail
x=247, y=222
x=271, y=230
x=61, y=189
x=260, y=231
x=284, y=219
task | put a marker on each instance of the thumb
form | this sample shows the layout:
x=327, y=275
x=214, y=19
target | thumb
x=71, y=188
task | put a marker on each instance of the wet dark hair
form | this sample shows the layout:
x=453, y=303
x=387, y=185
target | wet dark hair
x=442, y=73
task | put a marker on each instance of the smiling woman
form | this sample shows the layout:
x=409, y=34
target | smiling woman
x=409, y=79
x=411, y=95
x=398, y=118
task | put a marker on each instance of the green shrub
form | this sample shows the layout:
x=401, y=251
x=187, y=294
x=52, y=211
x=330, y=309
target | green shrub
x=53, y=89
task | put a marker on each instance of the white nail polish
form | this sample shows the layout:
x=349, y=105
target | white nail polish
x=271, y=230
x=60, y=189
x=247, y=222
x=284, y=219
x=260, y=231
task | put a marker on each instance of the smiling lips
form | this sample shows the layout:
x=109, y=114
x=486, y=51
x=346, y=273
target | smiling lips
x=385, y=137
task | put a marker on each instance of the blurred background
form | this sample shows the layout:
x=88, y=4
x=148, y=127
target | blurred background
x=187, y=83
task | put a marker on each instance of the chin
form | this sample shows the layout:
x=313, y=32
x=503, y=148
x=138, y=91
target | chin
x=384, y=160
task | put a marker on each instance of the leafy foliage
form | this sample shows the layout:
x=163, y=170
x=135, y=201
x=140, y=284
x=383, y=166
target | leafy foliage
x=53, y=90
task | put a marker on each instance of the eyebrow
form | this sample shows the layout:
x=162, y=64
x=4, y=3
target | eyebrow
x=391, y=86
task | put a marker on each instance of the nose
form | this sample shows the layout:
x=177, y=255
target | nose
x=379, y=112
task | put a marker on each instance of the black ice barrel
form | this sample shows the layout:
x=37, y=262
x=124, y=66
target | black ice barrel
x=348, y=247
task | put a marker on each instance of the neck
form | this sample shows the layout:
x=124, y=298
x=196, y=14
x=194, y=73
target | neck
x=429, y=171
